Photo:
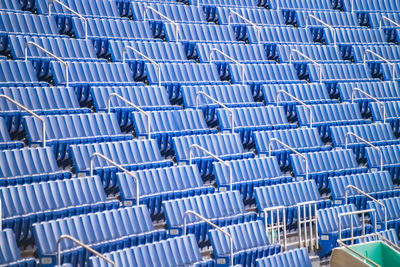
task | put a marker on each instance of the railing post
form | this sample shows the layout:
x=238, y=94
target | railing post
x=269, y=231
x=325, y=24
x=373, y=98
x=147, y=114
x=388, y=19
x=215, y=157
x=73, y=239
x=381, y=58
x=177, y=29
x=309, y=59
x=198, y=94
x=298, y=100
x=50, y=54
x=247, y=21
x=30, y=112
x=291, y=149
x=312, y=206
x=210, y=56
x=351, y=213
x=51, y=2
x=119, y=167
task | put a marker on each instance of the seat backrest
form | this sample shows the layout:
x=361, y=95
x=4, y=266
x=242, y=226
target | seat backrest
x=328, y=219
x=328, y=113
x=349, y=36
x=16, y=71
x=9, y=251
x=255, y=15
x=392, y=109
x=390, y=155
x=266, y=73
x=386, y=91
x=28, y=23
x=332, y=18
x=280, y=35
x=308, y=93
x=298, y=257
x=319, y=53
x=200, y=33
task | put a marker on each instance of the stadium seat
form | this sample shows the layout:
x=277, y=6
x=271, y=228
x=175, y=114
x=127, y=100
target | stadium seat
x=374, y=20
x=326, y=164
x=297, y=256
x=393, y=216
x=271, y=36
x=250, y=241
x=225, y=208
x=390, y=158
x=104, y=231
x=27, y=165
x=332, y=18
x=18, y=73
x=389, y=52
x=49, y=201
x=392, y=109
x=301, y=139
x=372, y=5
x=9, y=251
x=387, y=72
x=5, y=140
x=9, y=5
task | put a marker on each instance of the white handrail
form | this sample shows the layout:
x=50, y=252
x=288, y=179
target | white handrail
x=309, y=59
x=291, y=149
x=1, y=215
x=388, y=19
x=298, y=100
x=210, y=56
x=373, y=98
x=303, y=206
x=215, y=157
x=350, y=213
x=381, y=58
x=358, y=254
x=212, y=224
x=325, y=24
x=247, y=21
x=198, y=94
x=367, y=195
x=147, y=114
x=30, y=112
x=80, y=244
x=177, y=29
x=50, y=54
x=271, y=229
x=145, y=57
x=119, y=167
x=51, y=2
x=364, y=141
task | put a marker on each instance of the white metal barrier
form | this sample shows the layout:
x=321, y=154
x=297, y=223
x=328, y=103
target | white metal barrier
x=274, y=227
x=307, y=219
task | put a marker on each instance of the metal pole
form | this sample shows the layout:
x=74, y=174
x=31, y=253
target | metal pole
x=381, y=58
x=247, y=21
x=177, y=29
x=373, y=98
x=309, y=59
x=298, y=100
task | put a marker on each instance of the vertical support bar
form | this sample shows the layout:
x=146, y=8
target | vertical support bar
x=275, y=227
x=307, y=222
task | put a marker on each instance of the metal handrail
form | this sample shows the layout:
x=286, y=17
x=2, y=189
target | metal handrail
x=305, y=221
x=80, y=244
x=147, y=114
x=50, y=54
x=291, y=149
x=388, y=241
x=350, y=213
x=325, y=24
x=309, y=59
x=215, y=157
x=298, y=100
x=372, y=97
x=30, y=112
x=145, y=57
x=271, y=229
x=51, y=2
x=357, y=253
x=367, y=195
x=177, y=29
x=381, y=58
x=364, y=141
x=388, y=19
x=119, y=167
x=212, y=224
x=228, y=57
x=198, y=94
x=247, y=21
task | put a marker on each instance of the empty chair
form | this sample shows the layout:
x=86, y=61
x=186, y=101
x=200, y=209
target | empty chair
x=297, y=256
x=326, y=164
x=388, y=74
x=5, y=140
x=225, y=208
x=309, y=93
x=250, y=241
x=161, y=184
x=27, y=165
x=332, y=18
x=229, y=95
x=49, y=201
x=248, y=174
x=389, y=234
x=225, y=146
x=374, y=20
x=379, y=134
x=326, y=116
x=389, y=52
x=65, y=130
x=392, y=110
x=390, y=160
x=301, y=139
x=9, y=5
x=103, y=231
x=132, y=155
x=87, y=8
x=372, y=5
x=178, y=251
x=288, y=195
x=378, y=185
x=393, y=216
x=9, y=251
x=18, y=73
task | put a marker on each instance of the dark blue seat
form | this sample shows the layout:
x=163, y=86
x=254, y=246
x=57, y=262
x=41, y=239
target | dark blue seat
x=250, y=242
x=326, y=164
x=392, y=109
x=393, y=216
x=391, y=160
x=297, y=256
x=9, y=251
x=225, y=208
x=104, y=231
x=18, y=73
x=5, y=140
x=49, y=201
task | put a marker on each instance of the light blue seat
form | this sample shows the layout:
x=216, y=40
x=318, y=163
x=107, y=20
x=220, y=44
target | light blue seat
x=9, y=251
x=393, y=216
x=18, y=73
x=297, y=256
x=392, y=109
x=390, y=159
x=9, y=5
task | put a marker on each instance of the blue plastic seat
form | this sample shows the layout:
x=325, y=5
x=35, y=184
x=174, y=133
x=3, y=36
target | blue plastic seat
x=301, y=139
x=297, y=256
x=225, y=208
x=374, y=20
x=250, y=242
x=248, y=174
x=49, y=201
x=132, y=155
x=387, y=71
x=373, y=5
x=9, y=5
x=379, y=185
x=5, y=140
x=326, y=164
x=18, y=73
x=391, y=160
x=390, y=52
x=104, y=231
x=392, y=109
x=87, y=8
x=288, y=195
x=248, y=121
x=9, y=251
x=393, y=216
x=330, y=17
x=27, y=165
